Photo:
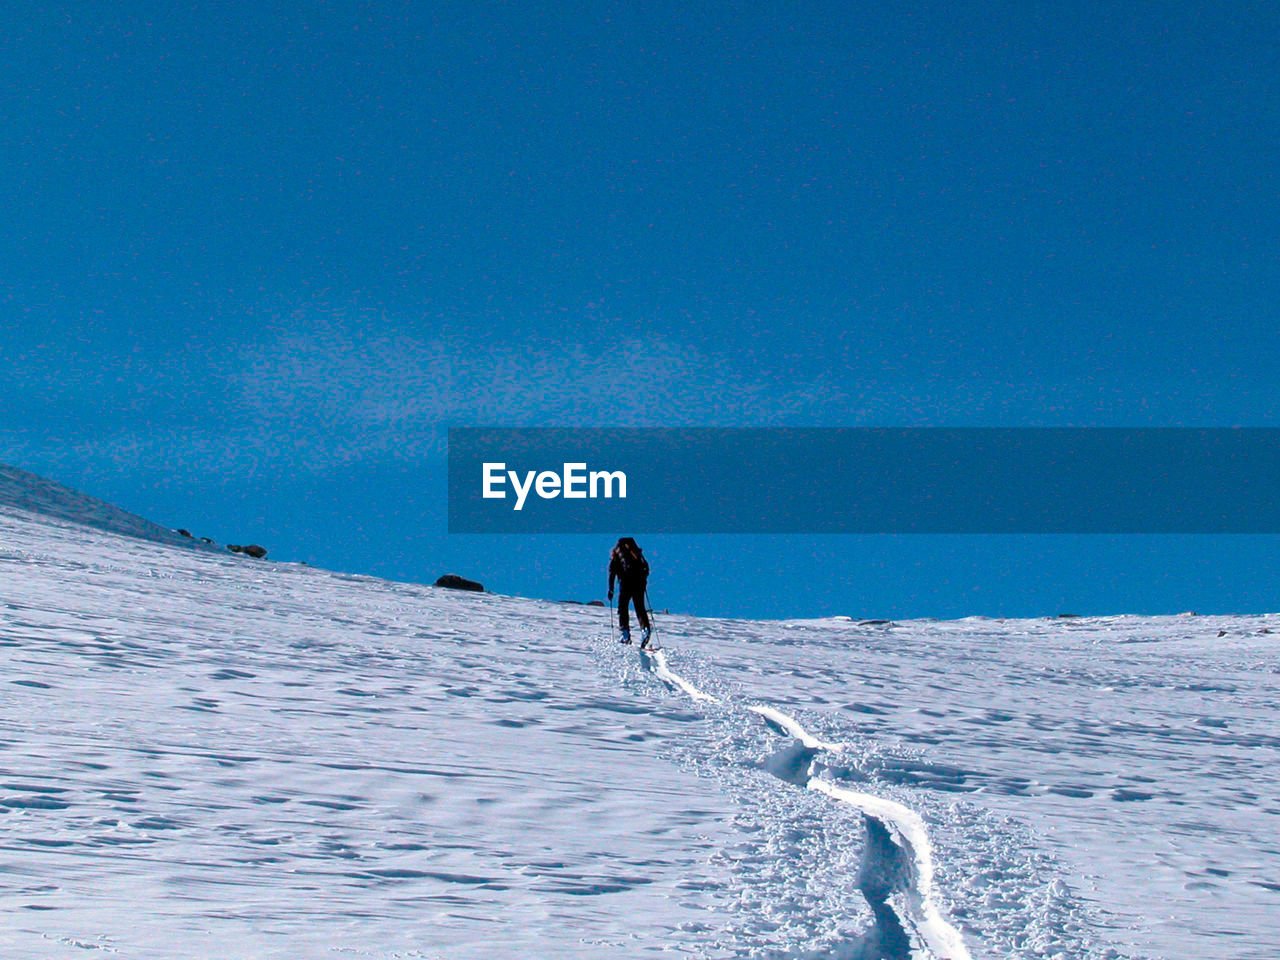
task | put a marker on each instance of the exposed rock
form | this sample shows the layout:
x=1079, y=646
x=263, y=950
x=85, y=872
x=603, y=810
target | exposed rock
x=206, y=539
x=595, y=603
x=251, y=549
x=185, y=533
x=455, y=582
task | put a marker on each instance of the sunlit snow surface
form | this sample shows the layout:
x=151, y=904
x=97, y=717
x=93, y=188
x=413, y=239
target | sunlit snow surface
x=205, y=755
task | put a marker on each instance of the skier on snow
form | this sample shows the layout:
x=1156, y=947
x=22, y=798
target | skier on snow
x=628, y=565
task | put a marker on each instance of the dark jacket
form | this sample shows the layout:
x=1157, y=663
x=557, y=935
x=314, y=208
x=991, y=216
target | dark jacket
x=631, y=569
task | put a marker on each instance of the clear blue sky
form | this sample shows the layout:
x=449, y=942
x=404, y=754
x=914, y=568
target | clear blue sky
x=255, y=257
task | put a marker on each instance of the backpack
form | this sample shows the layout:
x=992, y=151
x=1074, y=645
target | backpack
x=636, y=568
x=632, y=568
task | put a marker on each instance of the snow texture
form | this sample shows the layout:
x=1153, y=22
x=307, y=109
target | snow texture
x=206, y=755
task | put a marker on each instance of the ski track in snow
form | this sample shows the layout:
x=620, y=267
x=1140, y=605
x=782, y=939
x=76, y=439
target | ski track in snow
x=663, y=672
x=897, y=874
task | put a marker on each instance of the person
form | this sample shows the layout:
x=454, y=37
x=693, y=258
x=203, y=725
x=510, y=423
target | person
x=628, y=565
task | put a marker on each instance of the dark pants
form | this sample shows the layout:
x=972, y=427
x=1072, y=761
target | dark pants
x=632, y=593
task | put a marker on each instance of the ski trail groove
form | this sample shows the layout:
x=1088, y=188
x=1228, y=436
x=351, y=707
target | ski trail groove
x=908, y=864
x=790, y=727
x=663, y=672
x=896, y=876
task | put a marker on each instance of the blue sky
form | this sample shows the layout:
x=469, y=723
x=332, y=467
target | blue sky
x=257, y=257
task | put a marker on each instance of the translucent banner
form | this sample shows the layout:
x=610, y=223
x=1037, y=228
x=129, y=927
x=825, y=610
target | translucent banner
x=864, y=480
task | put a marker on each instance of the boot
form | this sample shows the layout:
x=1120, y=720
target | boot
x=626, y=635
x=644, y=638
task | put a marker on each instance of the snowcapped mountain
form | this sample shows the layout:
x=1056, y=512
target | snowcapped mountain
x=209, y=755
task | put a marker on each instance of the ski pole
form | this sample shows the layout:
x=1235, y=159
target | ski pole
x=653, y=627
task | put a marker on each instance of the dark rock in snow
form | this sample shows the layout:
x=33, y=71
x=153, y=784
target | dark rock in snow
x=185, y=533
x=455, y=582
x=234, y=547
x=254, y=551
x=595, y=603
x=206, y=539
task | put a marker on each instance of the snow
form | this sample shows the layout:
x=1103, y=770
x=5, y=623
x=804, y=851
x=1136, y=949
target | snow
x=207, y=755
x=25, y=492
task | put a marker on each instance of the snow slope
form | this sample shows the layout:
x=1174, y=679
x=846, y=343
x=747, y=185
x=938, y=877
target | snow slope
x=25, y=492
x=207, y=755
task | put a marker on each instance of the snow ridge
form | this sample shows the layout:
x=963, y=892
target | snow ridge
x=664, y=673
x=896, y=876
x=20, y=490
